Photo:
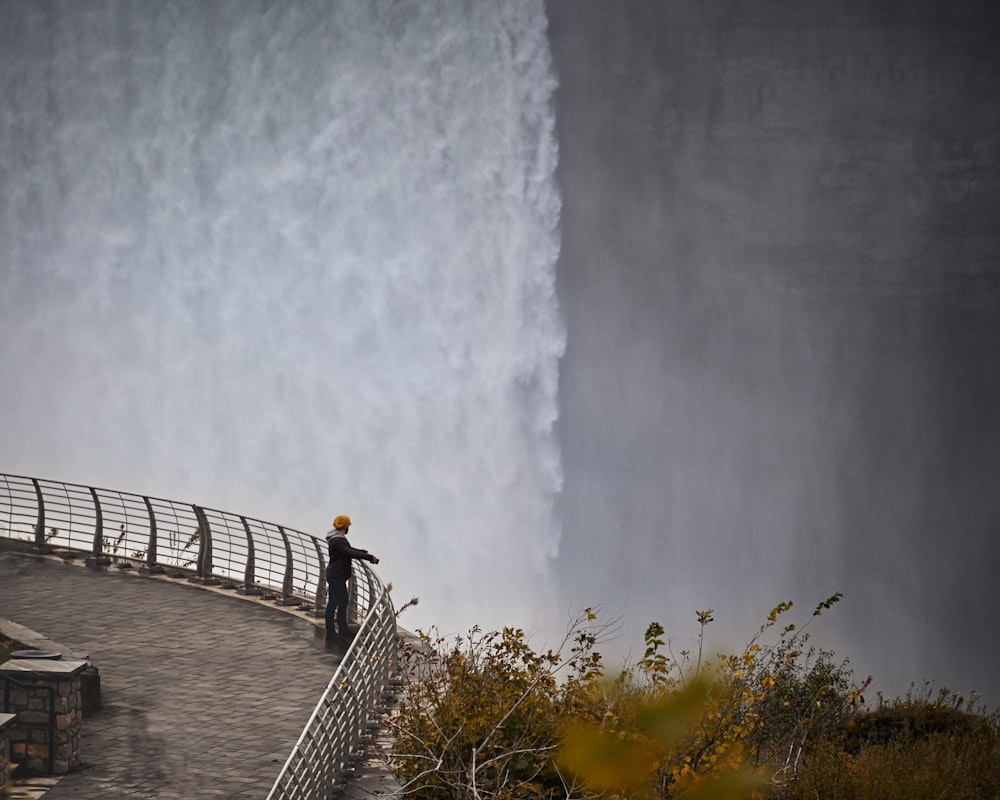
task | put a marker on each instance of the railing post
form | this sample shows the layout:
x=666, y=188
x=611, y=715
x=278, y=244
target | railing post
x=320, y=607
x=97, y=558
x=40, y=521
x=287, y=585
x=98, y=548
x=152, y=555
x=249, y=575
x=204, y=544
x=352, y=597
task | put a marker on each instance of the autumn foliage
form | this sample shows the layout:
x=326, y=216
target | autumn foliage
x=485, y=716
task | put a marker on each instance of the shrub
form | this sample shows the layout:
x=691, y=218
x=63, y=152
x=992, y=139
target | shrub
x=480, y=715
x=8, y=646
x=485, y=716
x=723, y=728
x=916, y=747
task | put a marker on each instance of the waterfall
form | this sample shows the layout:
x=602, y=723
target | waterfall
x=293, y=260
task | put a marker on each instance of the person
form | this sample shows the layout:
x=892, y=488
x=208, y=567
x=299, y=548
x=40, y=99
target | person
x=338, y=573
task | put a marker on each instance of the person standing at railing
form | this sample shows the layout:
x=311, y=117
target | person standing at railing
x=338, y=573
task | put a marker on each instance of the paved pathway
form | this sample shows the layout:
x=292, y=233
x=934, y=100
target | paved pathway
x=205, y=693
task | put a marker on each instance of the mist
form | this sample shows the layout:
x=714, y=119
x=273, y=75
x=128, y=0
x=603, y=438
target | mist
x=781, y=284
x=646, y=306
x=293, y=260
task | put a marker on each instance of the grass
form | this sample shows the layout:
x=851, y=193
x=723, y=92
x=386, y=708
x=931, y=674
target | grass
x=8, y=646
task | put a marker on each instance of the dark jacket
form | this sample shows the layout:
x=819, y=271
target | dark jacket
x=341, y=554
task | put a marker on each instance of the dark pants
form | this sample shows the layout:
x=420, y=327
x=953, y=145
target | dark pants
x=336, y=606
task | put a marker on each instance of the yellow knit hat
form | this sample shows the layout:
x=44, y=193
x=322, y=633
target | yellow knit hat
x=341, y=522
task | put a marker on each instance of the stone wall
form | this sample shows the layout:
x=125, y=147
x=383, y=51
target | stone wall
x=37, y=689
x=6, y=722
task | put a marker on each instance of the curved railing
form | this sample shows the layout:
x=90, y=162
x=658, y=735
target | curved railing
x=347, y=712
x=159, y=535
x=253, y=556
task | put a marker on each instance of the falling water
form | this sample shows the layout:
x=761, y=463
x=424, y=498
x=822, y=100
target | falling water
x=293, y=260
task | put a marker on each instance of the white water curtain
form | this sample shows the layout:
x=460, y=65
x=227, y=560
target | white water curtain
x=293, y=260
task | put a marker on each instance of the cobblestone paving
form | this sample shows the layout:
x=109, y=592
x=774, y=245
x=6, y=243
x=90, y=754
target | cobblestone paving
x=204, y=693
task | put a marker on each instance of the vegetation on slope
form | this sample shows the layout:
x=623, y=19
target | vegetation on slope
x=485, y=716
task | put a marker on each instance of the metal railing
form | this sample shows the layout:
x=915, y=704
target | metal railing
x=347, y=713
x=257, y=557
x=132, y=530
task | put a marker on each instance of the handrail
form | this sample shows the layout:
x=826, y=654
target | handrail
x=212, y=546
x=133, y=530
x=347, y=712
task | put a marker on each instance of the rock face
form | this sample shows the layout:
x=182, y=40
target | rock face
x=846, y=146
x=780, y=273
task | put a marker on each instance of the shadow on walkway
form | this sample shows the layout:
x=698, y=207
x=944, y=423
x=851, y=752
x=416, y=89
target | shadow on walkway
x=204, y=693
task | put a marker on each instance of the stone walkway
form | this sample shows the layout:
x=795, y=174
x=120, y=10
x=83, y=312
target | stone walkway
x=204, y=692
